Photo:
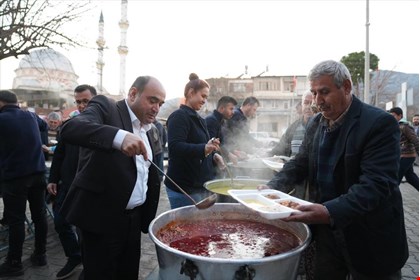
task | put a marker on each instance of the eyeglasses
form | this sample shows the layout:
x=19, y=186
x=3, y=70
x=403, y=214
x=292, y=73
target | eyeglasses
x=83, y=101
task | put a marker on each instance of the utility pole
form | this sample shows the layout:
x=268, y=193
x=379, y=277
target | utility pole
x=367, y=59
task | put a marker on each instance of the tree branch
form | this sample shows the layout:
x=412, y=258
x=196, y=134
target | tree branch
x=30, y=24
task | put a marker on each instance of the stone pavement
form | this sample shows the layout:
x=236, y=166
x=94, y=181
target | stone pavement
x=149, y=264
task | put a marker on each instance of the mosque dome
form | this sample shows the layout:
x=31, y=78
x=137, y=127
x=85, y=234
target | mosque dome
x=47, y=59
x=45, y=69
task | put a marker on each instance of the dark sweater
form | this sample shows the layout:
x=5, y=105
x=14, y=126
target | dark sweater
x=20, y=144
x=187, y=138
x=214, y=123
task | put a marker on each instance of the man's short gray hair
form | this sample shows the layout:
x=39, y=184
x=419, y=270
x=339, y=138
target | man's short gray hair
x=54, y=116
x=336, y=69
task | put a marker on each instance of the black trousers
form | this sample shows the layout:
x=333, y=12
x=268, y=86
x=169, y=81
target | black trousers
x=15, y=194
x=115, y=254
x=68, y=236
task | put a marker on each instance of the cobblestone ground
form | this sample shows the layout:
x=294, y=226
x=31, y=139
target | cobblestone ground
x=149, y=264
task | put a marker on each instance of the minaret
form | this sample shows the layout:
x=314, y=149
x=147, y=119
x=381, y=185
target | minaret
x=100, y=63
x=122, y=48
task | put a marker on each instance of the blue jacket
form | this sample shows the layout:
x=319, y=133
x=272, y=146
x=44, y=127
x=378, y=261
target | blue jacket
x=20, y=143
x=187, y=138
x=214, y=123
x=367, y=208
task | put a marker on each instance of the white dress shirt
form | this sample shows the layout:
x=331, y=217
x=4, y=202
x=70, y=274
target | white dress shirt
x=138, y=196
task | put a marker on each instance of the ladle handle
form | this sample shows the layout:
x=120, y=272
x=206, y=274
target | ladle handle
x=170, y=179
x=225, y=157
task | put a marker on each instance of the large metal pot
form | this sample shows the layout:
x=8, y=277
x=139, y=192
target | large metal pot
x=175, y=264
x=220, y=186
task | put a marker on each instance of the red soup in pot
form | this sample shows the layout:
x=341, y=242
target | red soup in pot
x=237, y=239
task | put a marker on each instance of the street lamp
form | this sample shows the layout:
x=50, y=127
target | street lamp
x=367, y=64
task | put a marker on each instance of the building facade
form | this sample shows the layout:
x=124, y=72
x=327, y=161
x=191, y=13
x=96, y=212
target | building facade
x=278, y=97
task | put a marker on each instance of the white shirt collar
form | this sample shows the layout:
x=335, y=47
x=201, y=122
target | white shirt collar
x=134, y=119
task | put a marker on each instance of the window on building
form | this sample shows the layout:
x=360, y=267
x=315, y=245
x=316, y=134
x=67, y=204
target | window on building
x=264, y=85
x=273, y=103
x=290, y=84
x=238, y=87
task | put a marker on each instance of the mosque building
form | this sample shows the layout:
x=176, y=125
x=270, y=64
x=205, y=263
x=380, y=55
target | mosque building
x=45, y=79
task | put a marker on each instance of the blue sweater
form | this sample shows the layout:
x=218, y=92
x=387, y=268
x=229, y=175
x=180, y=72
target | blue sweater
x=20, y=143
x=187, y=138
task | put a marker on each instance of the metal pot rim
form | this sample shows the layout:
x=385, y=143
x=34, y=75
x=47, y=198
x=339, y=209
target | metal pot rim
x=260, y=181
x=189, y=256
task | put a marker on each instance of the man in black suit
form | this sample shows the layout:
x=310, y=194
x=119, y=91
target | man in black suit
x=62, y=172
x=115, y=193
x=350, y=157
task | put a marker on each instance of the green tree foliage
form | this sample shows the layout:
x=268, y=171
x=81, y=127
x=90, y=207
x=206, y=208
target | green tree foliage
x=355, y=62
x=30, y=24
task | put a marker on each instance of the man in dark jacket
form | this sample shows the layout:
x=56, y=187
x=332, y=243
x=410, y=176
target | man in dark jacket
x=22, y=171
x=292, y=139
x=235, y=131
x=115, y=193
x=350, y=155
x=409, y=144
x=62, y=172
x=160, y=153
x=223, y=112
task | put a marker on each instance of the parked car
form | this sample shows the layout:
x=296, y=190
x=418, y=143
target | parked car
x=265, y=138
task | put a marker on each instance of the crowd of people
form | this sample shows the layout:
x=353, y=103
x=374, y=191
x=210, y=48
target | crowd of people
x=347, y=157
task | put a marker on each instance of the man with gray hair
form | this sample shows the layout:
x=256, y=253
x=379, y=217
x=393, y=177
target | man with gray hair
x=350, y=156
x=292, y=139
x=54, y=121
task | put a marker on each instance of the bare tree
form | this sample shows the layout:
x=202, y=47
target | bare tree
x=378, y=85
x=30, y=24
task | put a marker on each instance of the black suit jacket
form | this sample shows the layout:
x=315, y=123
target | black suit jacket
x=64, y=165
x=105, y=177
x=367, y=209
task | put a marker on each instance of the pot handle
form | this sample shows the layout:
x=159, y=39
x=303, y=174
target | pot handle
x=189, y=269
x=244, y=273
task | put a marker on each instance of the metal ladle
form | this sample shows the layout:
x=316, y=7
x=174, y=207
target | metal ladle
x=229, y=172
x=203, y=204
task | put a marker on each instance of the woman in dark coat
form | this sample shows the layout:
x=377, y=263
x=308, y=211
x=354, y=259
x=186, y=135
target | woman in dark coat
x=192, y=154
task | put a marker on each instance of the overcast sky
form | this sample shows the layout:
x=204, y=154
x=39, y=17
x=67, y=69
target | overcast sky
x=171, y=39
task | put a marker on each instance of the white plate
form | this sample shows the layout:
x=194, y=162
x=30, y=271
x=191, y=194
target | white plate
x=273, y=165
x=265, y=202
